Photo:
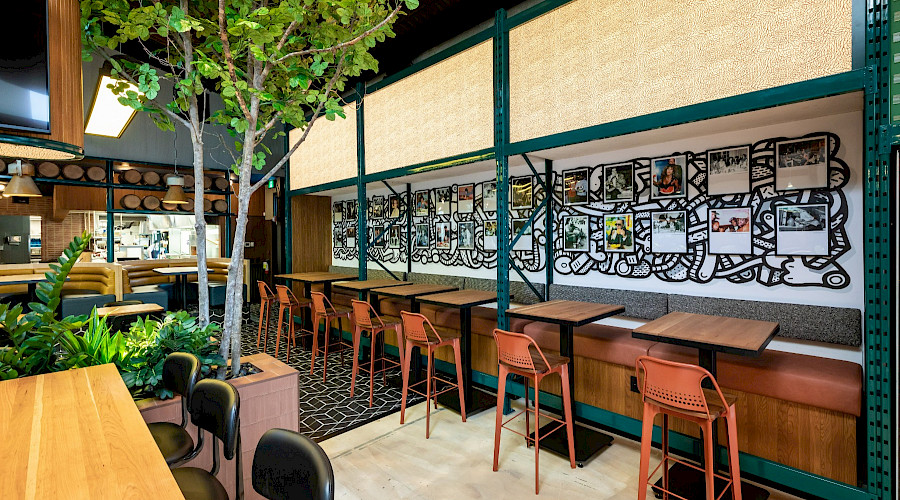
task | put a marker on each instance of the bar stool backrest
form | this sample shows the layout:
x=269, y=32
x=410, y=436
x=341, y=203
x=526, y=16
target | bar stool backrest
x=215, y=408
x=181, y=370
x=363, y=313
x=289, y=465
x=515, y=350
x=414, y=327
x=285, y=295
x=677, y=385
x=321, y=304
x=264, y=291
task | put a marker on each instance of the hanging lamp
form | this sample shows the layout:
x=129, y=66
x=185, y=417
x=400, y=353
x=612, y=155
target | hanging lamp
x=21, y=183
x=175, y=193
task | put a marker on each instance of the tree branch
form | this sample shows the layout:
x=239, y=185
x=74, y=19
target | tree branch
x=229, y=59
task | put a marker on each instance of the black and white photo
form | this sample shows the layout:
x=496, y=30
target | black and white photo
x=801, y=164
x=351, y=236
x=489, y=196
x=576, y=186
x=338, y=212
x=422, y=237
x=618, y=183
x=490, y=235
x=394, y=237
x=521, y=225
x=728, y=171
x=668, y=232
x=442, y=201
x=465, y=233
x=576, y=233
x=377, y=207
x=442, y=235
x=802, y=230
x=421, y=203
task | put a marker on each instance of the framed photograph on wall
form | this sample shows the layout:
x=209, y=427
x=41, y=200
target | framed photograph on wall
x=393, y=210
x=465, y=198
x=730, y=231
x=801, y=230
x=667, y=177
x=351, y=236
x=442, y=235
x=377, y=207
x=618, y=232
x=728, y=171
x=618, y=182
x=421, y=203
x=442, y=201
x=576, y=186
x=338, y=212
x=350, y=210
x=422, y=238
x=576, y=233
x=490, y=235
x=489, y=196
x=465, y=234
x=522, y=193
x=521, y=225
x=338, y=241
x=668, y=232
x=801, y=164
x=394, y=237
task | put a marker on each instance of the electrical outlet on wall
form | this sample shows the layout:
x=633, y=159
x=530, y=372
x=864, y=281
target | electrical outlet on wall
x=634, y=386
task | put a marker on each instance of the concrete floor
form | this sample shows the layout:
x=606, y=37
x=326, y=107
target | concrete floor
x=384, y=460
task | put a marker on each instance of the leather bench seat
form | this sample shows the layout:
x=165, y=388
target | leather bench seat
x=827, y=383
x=484, y=319
x=611, y=344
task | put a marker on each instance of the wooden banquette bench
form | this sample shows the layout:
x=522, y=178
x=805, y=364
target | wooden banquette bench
x=89, y=285
x=140, y=282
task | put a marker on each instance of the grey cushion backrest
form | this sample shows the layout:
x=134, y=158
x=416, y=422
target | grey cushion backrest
x=646, y=305
x=836, y=325
x=343, y=270
x=75, y=305
x=436, y=279
x=518, y=291
x=381, y=274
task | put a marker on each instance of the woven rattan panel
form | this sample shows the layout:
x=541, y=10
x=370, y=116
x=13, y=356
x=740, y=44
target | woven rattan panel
x=329, y=153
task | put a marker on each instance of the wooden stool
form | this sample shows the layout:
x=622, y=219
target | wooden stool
x=519, y=354
x=287, y=300
x=363, y=314
x=266, y=300
x=324, y=311
x=416, y=334
x=675, y=389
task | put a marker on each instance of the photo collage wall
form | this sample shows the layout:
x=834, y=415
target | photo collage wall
x=745, y=213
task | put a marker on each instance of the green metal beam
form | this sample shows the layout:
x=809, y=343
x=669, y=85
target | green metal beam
x=548, y=228
x=841, y=83
x=428, y=166
x=288, y=220
x=362, y=234
x=501, y=141
x=322, y=187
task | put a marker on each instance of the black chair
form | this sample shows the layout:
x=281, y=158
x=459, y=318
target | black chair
x=180, y=373
x=290, y=466
x=215, y=406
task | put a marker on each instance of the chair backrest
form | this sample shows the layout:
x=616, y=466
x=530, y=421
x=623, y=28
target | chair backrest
x=514, y=349
x=285, y=295
x=181, y=370
x=414, y=327
x=123, y=303
x=290, y=466
x=321, y=304
x=215, y=407
x=264, y=291
x=363, y=313
x=677, y=385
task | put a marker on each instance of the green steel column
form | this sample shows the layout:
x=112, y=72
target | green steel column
x=501, y=140
x=409, y=216
x=288, y=222
x=362, y=236
x=110, y=219
x=548, y=229
x=879, y=284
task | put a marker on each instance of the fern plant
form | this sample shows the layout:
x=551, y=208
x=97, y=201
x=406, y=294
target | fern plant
x=96, y=345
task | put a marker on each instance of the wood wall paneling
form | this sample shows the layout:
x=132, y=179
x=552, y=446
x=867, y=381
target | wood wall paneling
x=311, y=233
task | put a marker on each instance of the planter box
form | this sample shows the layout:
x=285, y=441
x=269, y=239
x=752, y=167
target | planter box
x=269, y=399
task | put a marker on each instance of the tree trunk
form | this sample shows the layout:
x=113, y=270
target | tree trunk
x=200, y=225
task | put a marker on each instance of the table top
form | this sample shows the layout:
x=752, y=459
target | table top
x=77, y=434
x=176, y=270
x=318, y=277
x=747, y=337
x=566, y=312
x=362, y=286
x=20, y=279
x=130, y=309
x=459, y=298
x=411, y=291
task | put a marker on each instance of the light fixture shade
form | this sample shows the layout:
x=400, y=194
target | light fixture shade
x=175, y=193
x=109, y=117
x=21, y=183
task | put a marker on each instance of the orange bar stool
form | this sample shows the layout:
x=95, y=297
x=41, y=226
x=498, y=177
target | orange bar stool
x=519, y=354
x=419, y=332
x=366, y=319
x=266, y=300
x=323, y=310
x=287, y=300
x=675, y=389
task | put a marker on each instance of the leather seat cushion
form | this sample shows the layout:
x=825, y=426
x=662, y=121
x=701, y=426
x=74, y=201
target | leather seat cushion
x=198, y=484
x=484, y=319
x=173, y=441
x=821, y=382
x=611, y=344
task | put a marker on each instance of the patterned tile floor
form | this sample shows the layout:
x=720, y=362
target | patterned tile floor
x=326, y=408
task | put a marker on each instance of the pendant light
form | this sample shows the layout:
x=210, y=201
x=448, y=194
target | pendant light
x=175, y=193
x=21, y=183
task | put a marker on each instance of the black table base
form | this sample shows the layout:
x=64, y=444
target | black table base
x=481, y=400
x=691, y=484
x=588, y=442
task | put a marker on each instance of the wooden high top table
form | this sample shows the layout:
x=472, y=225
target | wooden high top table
x=25, y=279
x=317, y=277
x=568, y=314
x=77, y=434
x=464, y=300
x=181, y=278
x=130, y=310
x=363, y=287
x=709, y=335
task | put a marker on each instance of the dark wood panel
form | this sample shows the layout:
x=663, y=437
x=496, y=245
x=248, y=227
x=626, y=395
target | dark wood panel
x=311, y=233
x=79, y=198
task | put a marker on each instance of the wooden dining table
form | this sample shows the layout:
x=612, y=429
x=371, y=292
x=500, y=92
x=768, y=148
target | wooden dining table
x=310, y=278
x=181, y=279
x=569, y=314
x=25, y=279
x=363, y=287
x=709, y=335
x=77, y=434
x=129, y=310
